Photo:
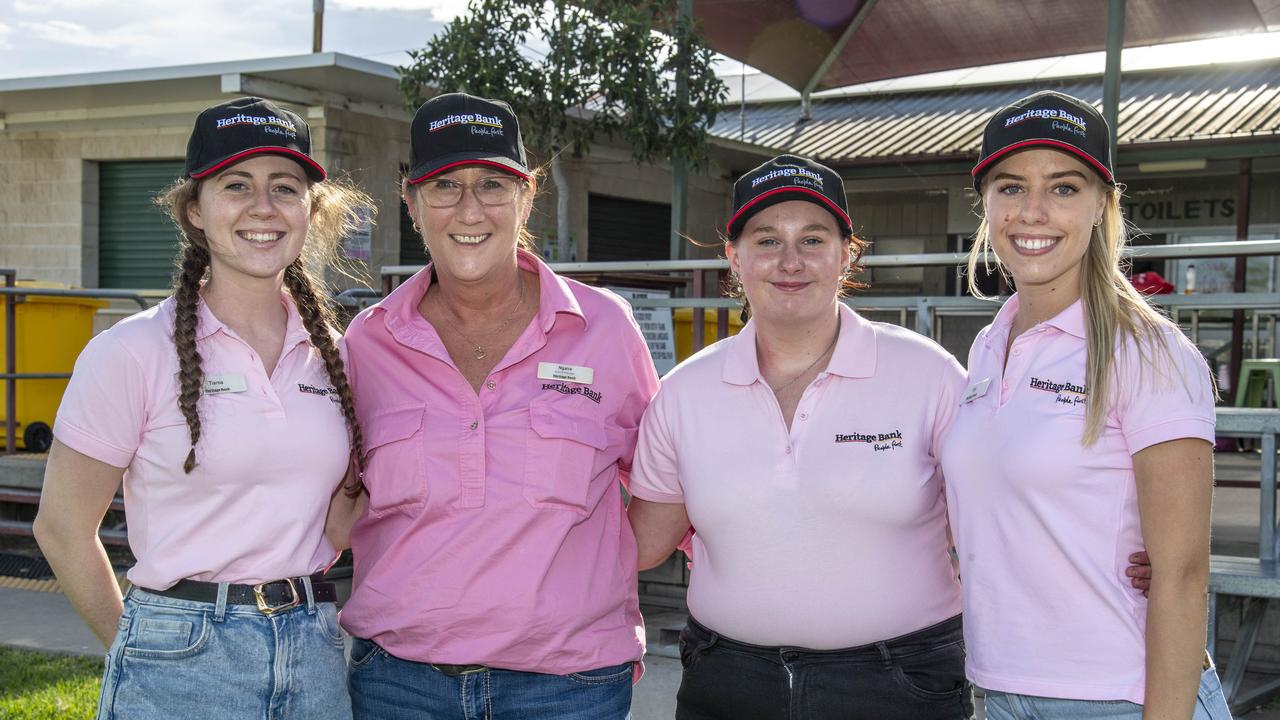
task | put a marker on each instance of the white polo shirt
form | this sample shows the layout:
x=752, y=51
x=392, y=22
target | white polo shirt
x=831, y=534
x=1043, y=526
x=272, y=449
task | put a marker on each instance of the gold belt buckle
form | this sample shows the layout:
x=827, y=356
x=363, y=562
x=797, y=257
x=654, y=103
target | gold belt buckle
x=268, y=609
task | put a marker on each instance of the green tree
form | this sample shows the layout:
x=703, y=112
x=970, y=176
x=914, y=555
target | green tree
x=609, y=70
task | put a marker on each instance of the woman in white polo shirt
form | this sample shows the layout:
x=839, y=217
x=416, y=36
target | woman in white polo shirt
x=1085, y=432
x=226, y=412
x=803, y=450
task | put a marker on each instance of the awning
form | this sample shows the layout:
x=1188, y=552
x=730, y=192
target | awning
x=837, y=43
x=1216, y=105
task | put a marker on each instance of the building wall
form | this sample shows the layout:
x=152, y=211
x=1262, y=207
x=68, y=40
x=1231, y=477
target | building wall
x=370, y=151
x=49, y=185
x=611, y=171
x=48, y=195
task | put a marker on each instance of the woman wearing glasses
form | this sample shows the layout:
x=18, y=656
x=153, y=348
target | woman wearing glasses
x=494, y=568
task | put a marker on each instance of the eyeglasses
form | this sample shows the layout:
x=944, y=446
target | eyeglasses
x=496, y=190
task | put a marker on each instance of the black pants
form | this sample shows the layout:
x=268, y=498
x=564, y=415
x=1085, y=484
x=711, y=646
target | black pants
x=919, y=676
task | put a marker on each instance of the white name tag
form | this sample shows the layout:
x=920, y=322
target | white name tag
x=975, y=391
x=229, y=383
x=567, y=373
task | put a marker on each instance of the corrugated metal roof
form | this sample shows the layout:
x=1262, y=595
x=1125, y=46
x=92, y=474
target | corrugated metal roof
x=1207, y=103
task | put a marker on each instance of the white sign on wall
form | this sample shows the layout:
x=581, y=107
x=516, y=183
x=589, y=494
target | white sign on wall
x=656, y=325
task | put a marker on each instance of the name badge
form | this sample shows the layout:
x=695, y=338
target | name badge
x=566, y=373
x=229, y=383
x=975, y=391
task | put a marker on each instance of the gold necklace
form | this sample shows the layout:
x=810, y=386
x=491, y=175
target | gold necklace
x=480, y=352
x=789, y=383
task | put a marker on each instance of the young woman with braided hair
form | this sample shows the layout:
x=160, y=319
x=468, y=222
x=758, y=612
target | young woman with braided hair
x=226, y=412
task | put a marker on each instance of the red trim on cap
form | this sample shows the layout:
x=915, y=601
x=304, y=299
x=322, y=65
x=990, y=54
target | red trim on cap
x=491, y=163
x=1057, y=144
x=839, y=213
x=270, y=149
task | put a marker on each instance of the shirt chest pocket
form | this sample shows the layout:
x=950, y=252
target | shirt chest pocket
x=393, y=465
x=564, y=449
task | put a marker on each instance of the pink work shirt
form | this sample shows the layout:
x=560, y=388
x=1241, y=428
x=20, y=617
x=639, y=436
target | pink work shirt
x=1044, y=526
x=831, y=534
x=272, y=449
x=495, y=531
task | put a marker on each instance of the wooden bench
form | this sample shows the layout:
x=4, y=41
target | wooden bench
x=1257, y=580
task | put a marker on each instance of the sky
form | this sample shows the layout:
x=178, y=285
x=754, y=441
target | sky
x=56, y=37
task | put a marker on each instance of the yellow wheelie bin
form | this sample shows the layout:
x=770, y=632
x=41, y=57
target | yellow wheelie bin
x=683, y=318
x=50, y=333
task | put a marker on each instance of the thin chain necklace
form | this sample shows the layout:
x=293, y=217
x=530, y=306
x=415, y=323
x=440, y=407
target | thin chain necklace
x=480, y=352
x=789, y=383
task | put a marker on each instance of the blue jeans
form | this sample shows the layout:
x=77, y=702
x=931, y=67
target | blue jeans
x=384, y=687
x=186, y=659
x=918, y=676
x=1210, y=705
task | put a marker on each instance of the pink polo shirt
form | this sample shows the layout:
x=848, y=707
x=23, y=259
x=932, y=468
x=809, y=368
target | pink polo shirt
x=272, y=449
x=833, y=533
x=1044, y=526
x=495, y=531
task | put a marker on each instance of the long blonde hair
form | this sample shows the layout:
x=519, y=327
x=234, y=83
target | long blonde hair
x=1114, y=310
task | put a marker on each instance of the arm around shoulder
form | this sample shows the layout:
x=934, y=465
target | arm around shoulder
x=659, y=527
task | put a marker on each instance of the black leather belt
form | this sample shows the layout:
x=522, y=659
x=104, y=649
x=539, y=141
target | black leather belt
x=269, y=597
x=455, y=670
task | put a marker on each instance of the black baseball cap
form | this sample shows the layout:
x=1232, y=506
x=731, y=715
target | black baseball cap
x=1047, y=119
x=460, y=129
x=236, y=129
x=789, y=177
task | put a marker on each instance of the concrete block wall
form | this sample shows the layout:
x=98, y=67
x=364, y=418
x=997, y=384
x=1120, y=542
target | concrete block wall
x=49, y=198
x=370, y=150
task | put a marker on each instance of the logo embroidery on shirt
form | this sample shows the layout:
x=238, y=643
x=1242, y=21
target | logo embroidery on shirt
x=331, y=393
x=881, y=441
x=565, y=389
x=1067, y=393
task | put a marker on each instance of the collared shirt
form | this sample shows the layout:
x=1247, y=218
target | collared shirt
x=272, y=449
x=495, y=531
x=1044, y=526
x=829, y=534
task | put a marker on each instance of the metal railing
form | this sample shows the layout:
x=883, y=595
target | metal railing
x=929, y=310
x=12, y=296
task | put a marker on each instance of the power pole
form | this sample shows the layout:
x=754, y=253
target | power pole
x=317, y=25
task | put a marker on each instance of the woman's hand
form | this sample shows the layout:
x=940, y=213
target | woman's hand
x=1139, y=572
x=77, y=492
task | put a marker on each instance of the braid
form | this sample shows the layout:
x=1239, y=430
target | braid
x=195, y=260
x=319, y=320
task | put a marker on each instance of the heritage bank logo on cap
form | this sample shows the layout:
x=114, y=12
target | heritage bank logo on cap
x=282, y=125
x=488, y=124
x=799, y=176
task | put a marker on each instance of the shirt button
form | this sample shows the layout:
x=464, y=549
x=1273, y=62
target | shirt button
x=491, y=384
x=804, y=416
x=474, y=424
x=788, y=449
x=1017, y=352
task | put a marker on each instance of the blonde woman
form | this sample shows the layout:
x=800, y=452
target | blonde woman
x=1084, y=434
x=226, y=412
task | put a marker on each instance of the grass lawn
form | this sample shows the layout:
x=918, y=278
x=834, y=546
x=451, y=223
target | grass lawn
x=41, y=686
